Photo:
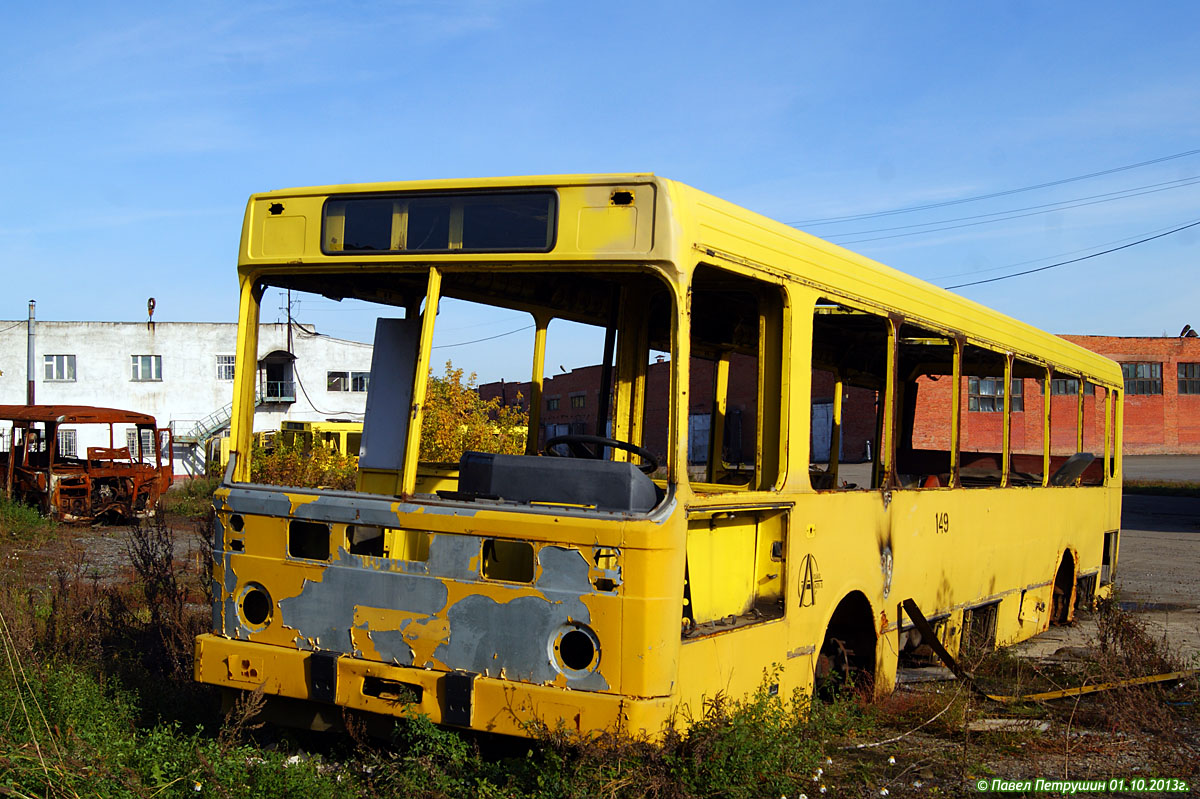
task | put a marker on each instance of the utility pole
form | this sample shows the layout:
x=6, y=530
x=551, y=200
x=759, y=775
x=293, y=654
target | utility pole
x=30, y=375
x=290, y=322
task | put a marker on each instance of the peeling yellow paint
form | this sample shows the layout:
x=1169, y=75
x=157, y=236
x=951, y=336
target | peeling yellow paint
x=762, y=585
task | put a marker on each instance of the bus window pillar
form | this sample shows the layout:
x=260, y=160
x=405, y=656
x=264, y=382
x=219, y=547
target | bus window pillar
x=835, y=433
x=603, y=405
x=1108, y=434
x=956, y=413
x=241, y=425
x=1079, y=415
x=542, y=323
x=1006, y=457
x=681, y=354
x=412, y=446
x=716, y=426
x=1046, y=430
x=633, y=355
x=889, y=408
x=769, y=457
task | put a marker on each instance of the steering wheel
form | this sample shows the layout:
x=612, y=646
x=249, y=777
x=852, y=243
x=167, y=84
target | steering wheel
x=578, y=443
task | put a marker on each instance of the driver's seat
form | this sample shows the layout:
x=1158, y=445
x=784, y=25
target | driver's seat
x=605, y=485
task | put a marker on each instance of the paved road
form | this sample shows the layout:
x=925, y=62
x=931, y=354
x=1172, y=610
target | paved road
x=1159, y=564
x=1157, y=575
x=1162, y=467
x=1159, y=559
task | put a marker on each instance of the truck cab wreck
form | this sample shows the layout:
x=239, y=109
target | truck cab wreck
x=117, y=483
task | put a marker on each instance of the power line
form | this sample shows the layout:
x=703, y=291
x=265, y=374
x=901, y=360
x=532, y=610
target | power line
x=476, y=341
x=1049, y=257
x=1014, y=215
x=1110, y=195
x=1076, y=260
x=993, y=195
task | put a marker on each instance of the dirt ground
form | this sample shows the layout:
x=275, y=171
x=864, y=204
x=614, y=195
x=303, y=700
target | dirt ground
x=1075, y=738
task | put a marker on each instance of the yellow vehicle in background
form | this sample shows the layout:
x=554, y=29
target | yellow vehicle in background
x=342, y=437
x=217, y=449
x=625, y=582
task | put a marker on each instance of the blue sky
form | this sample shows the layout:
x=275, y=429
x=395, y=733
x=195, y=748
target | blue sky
x=133, y=133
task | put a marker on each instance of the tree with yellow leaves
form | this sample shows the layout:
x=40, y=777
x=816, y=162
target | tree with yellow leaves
x=457, y=419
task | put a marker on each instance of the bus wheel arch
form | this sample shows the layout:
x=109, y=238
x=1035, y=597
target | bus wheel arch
x=847, y=652
x=1062, y=601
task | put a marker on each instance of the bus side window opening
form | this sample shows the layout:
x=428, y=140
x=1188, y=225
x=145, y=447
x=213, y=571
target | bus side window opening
x=849, y=383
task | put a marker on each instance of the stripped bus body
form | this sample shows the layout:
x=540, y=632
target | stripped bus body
x=520, y=589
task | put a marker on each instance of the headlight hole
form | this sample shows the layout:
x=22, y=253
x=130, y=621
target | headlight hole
x=256, y=607
x=576, y=650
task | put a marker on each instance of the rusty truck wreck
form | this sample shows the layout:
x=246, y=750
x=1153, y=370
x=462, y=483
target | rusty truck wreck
x=113, y=482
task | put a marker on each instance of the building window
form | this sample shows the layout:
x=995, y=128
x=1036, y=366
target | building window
x=146, y=367
x=225, y=367
x=552, y=404
x=578, y=400
x=347, y=381
x=1142, y=378
x=60, y=368
x=66, y=443
x=131, y=441
x=1189, y=378
x=987, y=394
x=1070, y=387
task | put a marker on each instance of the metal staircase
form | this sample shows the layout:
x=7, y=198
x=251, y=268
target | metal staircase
x=213, y=423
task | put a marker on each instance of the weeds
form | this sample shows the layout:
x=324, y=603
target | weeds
x=293, y=466
x=191, y=499
x=23, y=524
x=97, y=698
x=1125, y=649
x=1162, y=488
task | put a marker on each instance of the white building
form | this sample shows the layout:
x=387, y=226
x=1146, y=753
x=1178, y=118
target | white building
x=182, y=373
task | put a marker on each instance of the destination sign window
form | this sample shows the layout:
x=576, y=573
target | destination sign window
x=411, y=223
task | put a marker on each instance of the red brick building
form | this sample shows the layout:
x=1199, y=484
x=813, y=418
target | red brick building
x=571, y=403
x=1162, y=404
x=1162, y=391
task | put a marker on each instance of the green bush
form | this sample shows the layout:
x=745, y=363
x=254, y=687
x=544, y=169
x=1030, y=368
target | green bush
x=20, y=522
x=76, y=735
x=286, y=465
x=191, y=498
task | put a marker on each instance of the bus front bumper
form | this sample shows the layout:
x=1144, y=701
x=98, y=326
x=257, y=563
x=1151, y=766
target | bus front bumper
x=452, y=698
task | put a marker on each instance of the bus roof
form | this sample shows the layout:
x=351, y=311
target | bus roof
x=72, y=414
x=688, y=220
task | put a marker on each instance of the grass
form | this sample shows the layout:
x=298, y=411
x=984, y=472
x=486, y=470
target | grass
x=1163, y=488
x=97, y=699
x=20, y=523
x=191, y=498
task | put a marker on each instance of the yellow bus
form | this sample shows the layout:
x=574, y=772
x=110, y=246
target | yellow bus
x=343, y=437
x=784, y=442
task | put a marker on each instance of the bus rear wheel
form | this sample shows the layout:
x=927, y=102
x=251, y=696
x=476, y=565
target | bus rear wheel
x=847, y=656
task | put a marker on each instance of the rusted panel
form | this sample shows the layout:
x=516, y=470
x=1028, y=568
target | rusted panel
x=71, y=414
x=107, y=482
